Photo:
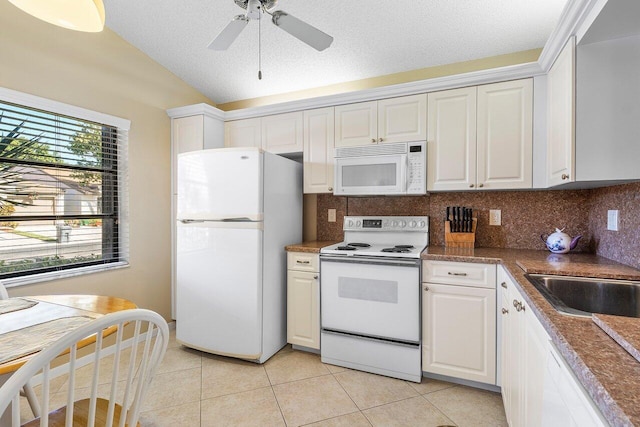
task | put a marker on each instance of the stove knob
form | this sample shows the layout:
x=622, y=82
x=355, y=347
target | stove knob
x=412, y=224
x=421, y=224
x=358, y=223
x=350, y=223
x=394, y=224
x=385, y=224
x=403, y=224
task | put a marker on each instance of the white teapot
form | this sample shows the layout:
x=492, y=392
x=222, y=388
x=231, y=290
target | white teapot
x=559, y=242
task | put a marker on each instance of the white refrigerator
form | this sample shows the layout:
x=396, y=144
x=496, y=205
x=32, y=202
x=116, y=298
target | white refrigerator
x=237, y=210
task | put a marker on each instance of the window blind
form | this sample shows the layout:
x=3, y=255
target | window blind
x=63, y=187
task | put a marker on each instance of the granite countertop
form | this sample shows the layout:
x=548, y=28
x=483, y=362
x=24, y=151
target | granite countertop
x=310, y=247
x=610, y=374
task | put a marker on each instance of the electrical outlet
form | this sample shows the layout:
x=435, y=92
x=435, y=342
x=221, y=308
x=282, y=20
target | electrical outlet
x=331, y=215
x=612, y=220
x=495, y=217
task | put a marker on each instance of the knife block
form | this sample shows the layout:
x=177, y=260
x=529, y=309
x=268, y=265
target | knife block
x=458, y=239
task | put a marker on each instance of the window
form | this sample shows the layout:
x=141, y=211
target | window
x=62, y=192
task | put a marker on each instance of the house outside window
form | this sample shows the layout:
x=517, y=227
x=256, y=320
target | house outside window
x=62, y=192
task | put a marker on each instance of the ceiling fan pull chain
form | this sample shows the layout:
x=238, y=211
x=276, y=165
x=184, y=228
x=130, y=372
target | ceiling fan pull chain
x=260, y=46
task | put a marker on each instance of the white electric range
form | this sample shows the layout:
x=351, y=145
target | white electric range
x=370, y=296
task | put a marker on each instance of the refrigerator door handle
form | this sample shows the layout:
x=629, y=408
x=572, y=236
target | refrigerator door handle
x=239, y=219
x=190, y=221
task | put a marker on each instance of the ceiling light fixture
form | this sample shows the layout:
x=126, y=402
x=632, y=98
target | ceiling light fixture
x=78, y=15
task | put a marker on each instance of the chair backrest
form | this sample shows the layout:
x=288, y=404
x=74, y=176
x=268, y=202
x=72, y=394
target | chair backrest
x=134, y=363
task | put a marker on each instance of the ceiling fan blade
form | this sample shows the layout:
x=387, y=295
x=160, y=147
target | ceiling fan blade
x=301, y=30
x=230, y=33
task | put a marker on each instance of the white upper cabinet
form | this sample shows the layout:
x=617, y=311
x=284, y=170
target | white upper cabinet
x=318, y=150
x=451, y=140
x=561, y=117
x=278, y=134
x=402, y=119
x=282, y=133
x=243, y=133
x=505, y=135
x=481, y=137
x=187, y=134
x=391, y=120
x=356, y=124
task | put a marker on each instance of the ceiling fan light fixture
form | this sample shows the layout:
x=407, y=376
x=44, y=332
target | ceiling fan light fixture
x=79, y=15
x=253, y=9
x=301, y=30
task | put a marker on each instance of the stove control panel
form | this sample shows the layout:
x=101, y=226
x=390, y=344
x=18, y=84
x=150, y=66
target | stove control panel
x=386, y=223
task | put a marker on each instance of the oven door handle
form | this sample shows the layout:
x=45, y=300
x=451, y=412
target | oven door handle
x=371, y=260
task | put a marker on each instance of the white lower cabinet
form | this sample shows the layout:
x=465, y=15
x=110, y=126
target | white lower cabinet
x=524, y=352
x=565, y=402
x=538, y=388
x=459, y=321
x=303, y=300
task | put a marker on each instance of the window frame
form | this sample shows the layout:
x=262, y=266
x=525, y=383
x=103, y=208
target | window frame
x=120, y=178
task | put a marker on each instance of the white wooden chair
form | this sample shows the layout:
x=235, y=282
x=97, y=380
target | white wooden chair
x=27, y=390
x=121, y=404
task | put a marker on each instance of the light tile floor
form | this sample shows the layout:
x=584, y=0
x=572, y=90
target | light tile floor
x=295, y=388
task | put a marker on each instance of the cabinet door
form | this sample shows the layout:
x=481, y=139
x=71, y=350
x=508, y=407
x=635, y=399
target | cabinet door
x=303, y=309
x=536, y=347
x=187, y=134
x=459, y=332
x=282, y=133
x=451, y=127
x=507, y=346
x=356, y=124
x=243, y=133
x=561, y=117
x=505, y=135
x=516, y=355
x=318, y=150
x=402, y=119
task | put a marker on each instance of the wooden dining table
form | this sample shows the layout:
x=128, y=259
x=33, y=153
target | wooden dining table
x=41, y=318
x=50, y=309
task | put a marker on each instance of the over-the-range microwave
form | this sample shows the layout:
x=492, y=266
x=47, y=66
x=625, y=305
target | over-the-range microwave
x=381, y=169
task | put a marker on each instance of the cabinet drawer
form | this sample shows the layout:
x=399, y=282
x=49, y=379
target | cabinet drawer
x=459, y=273
x=303, y=261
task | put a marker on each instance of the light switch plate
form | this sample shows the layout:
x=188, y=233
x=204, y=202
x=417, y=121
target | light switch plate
x=495, y=217
x=612, y=220
x=331, y=215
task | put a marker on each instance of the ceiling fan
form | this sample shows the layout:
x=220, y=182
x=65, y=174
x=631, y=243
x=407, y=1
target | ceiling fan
x=292, y=25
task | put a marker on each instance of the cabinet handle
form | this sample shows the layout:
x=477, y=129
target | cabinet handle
x=504, y=285
x=302, y=262
x=380, y=139
x=471, y=185
x=456, y=274
x=426, y=288
x=518, y=305
x=480, y=185
x=330, y=188
x=315, y=277
x=505, y=311
x=373, y=140
x=565, y=176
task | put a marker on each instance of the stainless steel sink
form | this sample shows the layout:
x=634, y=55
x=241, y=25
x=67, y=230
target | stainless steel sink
x=581, y=296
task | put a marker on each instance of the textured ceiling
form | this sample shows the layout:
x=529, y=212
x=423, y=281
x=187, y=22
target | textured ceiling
x=371, y=38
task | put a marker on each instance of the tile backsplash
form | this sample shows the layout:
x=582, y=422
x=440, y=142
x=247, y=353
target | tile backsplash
x=525, y=216
x=623, y=245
